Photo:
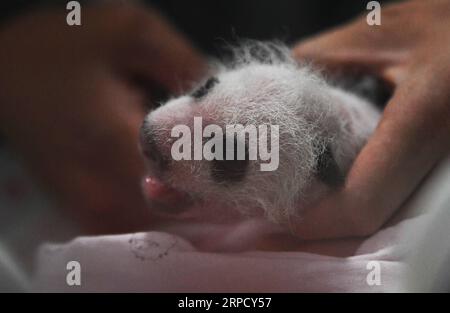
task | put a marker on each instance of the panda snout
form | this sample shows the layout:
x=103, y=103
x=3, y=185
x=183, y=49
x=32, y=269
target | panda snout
x=151, y=149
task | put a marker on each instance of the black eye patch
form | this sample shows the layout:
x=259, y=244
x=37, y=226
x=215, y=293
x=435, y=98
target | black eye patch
x=230, y=171
x=203, y=90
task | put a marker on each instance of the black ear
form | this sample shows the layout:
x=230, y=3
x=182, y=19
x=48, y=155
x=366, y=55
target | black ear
x=327, y=169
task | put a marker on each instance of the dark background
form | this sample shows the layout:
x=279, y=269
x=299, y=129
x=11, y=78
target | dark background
x=210, y=23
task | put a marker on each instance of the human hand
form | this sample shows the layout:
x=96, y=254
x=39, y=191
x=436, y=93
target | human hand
x=70, y=105
x=411, y=51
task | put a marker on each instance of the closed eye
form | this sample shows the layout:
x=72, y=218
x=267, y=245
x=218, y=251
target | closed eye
x=203, y=90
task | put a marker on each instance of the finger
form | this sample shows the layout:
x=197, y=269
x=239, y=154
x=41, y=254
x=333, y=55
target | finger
x=409, y=141
x=343, y=45
x=358, y=46
x=159, y=53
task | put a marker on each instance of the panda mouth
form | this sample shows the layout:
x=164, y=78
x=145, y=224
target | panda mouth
x=165, y=198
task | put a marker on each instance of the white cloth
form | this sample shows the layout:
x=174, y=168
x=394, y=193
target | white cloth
x=12, y=279
x=211, y=258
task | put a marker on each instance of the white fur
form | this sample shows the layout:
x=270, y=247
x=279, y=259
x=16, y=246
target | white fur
x=311, y=114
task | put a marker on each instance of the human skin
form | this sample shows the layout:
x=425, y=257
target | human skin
x=411, y=51
x=70, y=106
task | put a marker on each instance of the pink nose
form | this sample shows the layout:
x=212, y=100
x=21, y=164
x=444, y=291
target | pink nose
x=150, y=148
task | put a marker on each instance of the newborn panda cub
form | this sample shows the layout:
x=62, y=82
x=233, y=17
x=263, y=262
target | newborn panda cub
x=320, y=130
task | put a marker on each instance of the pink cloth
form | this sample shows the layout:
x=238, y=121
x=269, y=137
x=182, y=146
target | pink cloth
x=255, y=256
x=163, y=261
